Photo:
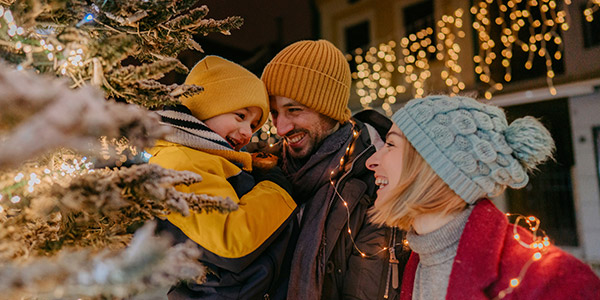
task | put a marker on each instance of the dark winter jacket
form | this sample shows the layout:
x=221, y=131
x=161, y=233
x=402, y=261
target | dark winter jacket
x=489, y=257
x=326, y=263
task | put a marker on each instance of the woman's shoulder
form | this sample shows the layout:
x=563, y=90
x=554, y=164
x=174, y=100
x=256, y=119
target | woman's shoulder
x=546, y=271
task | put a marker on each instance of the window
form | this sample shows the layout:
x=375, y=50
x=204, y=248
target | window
x=519, y=57
x=357, y=36
x=418, y=17
x=549, y=193
x=590, y=38
x=596, y=137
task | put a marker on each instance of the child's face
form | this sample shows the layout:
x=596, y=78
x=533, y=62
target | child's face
x=237, y=126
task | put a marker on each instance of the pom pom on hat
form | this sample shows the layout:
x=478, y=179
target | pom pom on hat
x=471, y=147
x=530, y=140
x=227, y=87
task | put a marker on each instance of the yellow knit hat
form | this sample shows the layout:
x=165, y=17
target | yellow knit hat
x=313, y=73
x=227, y=87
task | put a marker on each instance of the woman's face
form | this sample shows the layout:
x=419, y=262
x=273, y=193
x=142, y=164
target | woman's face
x=387, y=162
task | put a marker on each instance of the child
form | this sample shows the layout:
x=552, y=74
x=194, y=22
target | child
x=442, y=157
x=243, y=249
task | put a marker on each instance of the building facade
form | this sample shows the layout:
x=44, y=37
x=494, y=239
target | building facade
x=532, y=58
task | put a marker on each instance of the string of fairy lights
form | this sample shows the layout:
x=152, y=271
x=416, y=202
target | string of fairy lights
x=592, y=7
x=539, y=245
x=340, y=170
x=533, y=27
x=543, y=20
x=376, y=68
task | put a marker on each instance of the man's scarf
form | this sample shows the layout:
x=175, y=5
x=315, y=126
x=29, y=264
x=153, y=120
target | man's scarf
x=191, y=132
x=311, y=183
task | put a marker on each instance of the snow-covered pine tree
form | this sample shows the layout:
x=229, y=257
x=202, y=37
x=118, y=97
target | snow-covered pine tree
x=66, y=227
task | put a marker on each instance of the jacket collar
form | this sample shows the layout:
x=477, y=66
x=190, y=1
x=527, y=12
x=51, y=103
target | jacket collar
x=189, y=131
x=475, y=266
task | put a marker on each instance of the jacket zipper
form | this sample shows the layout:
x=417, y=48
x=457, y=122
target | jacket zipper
x=393, y=262
x=393, y=266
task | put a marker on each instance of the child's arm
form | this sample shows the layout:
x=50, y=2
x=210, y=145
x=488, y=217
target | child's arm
x=234, y=239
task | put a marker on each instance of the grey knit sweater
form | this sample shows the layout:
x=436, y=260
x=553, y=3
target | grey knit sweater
x=436, y=250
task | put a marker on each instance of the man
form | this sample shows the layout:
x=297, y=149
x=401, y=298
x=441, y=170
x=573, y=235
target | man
x=339, y=253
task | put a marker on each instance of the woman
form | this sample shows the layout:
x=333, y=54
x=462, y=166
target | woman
x=442, y=157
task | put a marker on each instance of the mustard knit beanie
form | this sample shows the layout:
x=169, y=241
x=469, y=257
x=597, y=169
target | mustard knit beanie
x=312, y=73
x=227, y=87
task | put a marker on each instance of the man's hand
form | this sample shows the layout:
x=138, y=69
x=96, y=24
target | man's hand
x=274, y=175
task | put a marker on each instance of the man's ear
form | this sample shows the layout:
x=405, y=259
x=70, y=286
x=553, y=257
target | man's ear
x=380, y=122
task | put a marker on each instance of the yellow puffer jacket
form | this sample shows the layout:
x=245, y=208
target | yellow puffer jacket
x=263, y=209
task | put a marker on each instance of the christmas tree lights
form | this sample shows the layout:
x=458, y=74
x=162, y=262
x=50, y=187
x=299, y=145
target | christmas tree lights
x=88, y=42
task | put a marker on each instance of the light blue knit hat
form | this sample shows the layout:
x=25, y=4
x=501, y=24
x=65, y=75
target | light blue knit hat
x=470, y=145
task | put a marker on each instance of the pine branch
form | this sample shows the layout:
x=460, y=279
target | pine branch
x=89, y=41
x=148, y=186
x=151, y=93
x=156, y=70
x=148, y=264
x=44, y=114
x=189, y=20
x=222, y=26
x=122, y=46
x=101, y=209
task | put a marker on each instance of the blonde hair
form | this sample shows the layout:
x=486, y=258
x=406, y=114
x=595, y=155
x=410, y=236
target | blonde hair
x=420, y=190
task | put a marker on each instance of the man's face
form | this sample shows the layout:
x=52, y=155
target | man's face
x=302, y=128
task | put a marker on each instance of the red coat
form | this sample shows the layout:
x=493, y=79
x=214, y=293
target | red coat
x=488, y=257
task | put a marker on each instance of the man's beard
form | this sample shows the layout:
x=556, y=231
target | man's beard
x=304, y=152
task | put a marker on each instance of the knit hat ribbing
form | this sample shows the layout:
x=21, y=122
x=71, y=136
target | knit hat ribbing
x=227, y=87
x=313, y=73
x=470, y=145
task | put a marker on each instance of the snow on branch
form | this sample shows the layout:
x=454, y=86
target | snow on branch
x=100, y=209
x=41, y=114
x=97, y=41
x=149, y=264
